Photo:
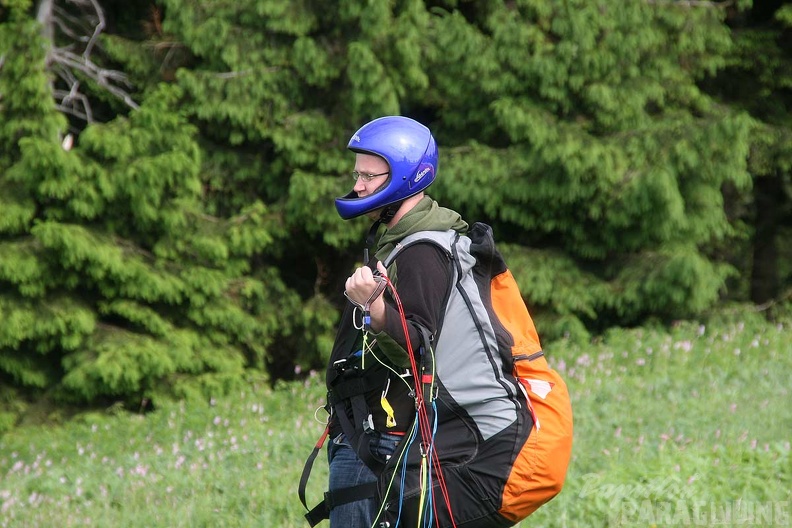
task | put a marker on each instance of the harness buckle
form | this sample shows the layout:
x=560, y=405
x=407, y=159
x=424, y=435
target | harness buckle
x=368, y=425
x=340, y=365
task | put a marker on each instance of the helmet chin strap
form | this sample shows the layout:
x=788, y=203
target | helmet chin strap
x=389, y=211
x=386, y=215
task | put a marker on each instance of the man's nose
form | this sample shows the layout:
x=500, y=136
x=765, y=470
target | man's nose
x=359, y=186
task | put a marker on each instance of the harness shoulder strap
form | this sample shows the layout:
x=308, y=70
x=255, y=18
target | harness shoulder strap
x=443, y=239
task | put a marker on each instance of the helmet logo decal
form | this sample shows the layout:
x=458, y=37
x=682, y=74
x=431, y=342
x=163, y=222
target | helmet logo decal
x=420, y=175
x=356, y=138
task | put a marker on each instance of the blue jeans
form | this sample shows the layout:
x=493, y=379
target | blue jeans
x=347, y=470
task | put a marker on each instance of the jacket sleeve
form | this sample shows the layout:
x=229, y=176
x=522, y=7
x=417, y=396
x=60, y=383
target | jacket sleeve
x=423, y=277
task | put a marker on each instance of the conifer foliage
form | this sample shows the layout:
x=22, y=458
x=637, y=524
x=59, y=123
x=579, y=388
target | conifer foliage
x=757, y=78
x=596, y=151
x=117, y=284
x=167, y=170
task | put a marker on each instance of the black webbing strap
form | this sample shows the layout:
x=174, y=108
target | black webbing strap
x=348, y=396
x=360, y=438
x=360, y=434
x=371, y=237
x=338, y=497
x=309, y=465
x=426, y=365
x=332, y=498
x=348, y=385
x=319, y=513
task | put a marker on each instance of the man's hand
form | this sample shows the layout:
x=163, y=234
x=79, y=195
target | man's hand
x=362, y=284
x=364, y=288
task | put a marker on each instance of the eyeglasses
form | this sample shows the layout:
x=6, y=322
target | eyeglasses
x=366, y=177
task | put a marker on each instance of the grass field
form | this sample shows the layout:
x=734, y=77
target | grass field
x=684, y=427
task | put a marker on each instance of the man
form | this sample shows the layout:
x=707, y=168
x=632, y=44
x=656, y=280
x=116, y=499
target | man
x=429, y=412
x=395, y=161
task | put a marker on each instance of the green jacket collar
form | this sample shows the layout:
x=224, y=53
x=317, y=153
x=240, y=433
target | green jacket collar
x=427, y=215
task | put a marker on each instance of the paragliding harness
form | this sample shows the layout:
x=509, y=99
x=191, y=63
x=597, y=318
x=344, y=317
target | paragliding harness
x=505, y=416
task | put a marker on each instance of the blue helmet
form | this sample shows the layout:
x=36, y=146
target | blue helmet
x=411, y=153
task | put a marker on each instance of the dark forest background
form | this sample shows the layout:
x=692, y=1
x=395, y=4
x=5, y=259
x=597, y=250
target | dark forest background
x=168, y=169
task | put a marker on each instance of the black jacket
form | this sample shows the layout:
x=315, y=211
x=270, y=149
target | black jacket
x=422, y=285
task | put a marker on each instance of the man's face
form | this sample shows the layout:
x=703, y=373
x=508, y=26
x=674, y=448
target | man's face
x=367, y=165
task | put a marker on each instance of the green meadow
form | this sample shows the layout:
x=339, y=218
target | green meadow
x=687, y=426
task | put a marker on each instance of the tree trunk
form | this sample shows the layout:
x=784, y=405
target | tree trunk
x=768, y=200
x=44, y=17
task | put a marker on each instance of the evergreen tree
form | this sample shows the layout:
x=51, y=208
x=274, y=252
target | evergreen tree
x=275, y=91
x=168, y=169
x=578, y=130
x=758, y=78
x=591, y=149
x=115, y=281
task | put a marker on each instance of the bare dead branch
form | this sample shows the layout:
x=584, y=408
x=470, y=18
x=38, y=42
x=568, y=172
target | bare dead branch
x=73, y=111
x=44, y=16
x=65, y=57
x=110, y=80
x=232, y=74
x=772, y=302
x=66, y=22
x=166, y=60
x=66, y=75
x=693, y=3
x=74, y=61
x=172, y=48
x=97, y=29
x=69, y=102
